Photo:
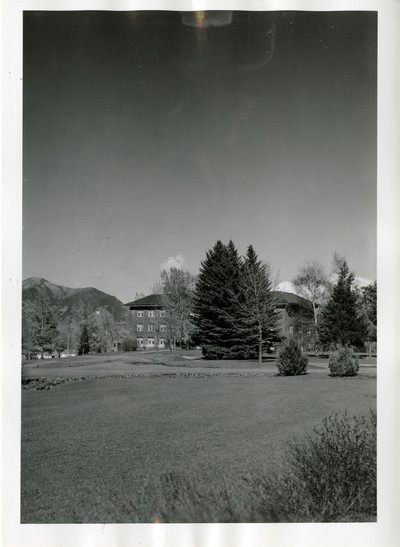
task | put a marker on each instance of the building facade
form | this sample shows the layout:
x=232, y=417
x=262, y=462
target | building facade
x=295, y=318
x=147, y=319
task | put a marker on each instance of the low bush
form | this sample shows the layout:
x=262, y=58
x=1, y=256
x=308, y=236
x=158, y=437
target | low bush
x=343, y=362
x=129, y=344
x=291, y=362
x=332, y=474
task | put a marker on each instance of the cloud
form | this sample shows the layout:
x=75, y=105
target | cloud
x=362, y=281
x=359, y=282
x=176, y=261
x=286, y=286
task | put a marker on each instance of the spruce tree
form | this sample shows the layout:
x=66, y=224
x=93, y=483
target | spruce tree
x=341, y=324
x=257, y=319
x=215, y=311
x=234, y=311
x=232, y=334
x=84, y=346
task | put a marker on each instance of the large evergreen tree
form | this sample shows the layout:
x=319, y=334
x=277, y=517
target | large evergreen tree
x=341, y=324
x=215, y=310
x=257, y=319
x=234, y=310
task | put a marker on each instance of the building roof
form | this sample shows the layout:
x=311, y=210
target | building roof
x=281, y=298
x=284, y=298
x=151, y=301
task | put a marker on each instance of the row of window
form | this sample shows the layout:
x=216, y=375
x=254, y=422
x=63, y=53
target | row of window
x=150, y=313
x=150, y=328
x=151, y=342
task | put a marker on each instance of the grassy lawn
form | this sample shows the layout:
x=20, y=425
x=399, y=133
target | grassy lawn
x=162, y=362
x=90, y=449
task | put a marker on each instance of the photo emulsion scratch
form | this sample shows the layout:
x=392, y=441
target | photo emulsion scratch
x=199, y=303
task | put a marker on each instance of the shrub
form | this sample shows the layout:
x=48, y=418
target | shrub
x=129, y=344
x=291, y=362
x=343, y=362
x=328, y=477
x=332, y=475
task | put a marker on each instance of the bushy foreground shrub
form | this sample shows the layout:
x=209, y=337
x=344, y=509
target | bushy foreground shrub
x=332, y=474
x=343, y=362
x=328, y=477
x=129, y=344
x=291, y=362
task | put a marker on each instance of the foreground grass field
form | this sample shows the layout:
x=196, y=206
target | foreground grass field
x=92, y=451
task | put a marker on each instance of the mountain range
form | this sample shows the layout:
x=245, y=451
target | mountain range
x=65, y=298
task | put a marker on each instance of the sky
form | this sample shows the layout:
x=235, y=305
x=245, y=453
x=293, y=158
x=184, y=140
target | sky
x=148, y=136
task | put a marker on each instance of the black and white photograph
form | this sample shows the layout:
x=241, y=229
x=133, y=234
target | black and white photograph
x=199, y=312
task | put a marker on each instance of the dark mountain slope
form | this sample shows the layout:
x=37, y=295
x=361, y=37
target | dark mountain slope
x=65, y=298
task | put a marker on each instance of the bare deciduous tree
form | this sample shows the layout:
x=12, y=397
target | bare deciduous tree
x=312, y=283
x=39, y=326
x=177, y=298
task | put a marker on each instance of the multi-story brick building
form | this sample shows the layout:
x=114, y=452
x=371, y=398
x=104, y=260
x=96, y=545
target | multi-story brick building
x=150, y=328
x=295, y=317
x=148, y=321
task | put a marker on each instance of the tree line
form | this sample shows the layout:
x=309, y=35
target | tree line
x=84, y=330
x=343, y=313
x=228, y=308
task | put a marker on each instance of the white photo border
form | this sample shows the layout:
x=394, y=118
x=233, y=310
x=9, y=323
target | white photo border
x=385, y=532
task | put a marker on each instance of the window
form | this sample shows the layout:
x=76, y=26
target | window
x=161, y=342
x=150, y=341
x=150, y=327
x=162, y=313
x=140, y=342
x=139, y=313
x=139, y=328
x=163, y=328
x=151, y=313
